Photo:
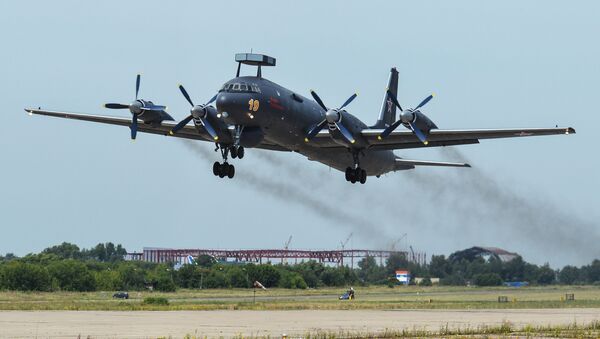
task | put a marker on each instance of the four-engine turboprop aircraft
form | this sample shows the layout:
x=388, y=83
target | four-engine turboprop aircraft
x=253, y=112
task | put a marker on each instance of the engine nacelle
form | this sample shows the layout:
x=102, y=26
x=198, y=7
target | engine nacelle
x=422, y=122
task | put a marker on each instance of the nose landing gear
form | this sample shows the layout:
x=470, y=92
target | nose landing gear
x=225, y=169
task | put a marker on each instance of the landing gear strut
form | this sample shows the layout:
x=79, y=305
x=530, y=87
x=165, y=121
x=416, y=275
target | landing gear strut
x=225, y=169
x=356, y=174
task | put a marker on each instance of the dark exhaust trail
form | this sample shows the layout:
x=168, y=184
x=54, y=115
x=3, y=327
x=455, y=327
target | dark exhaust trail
x=289, y=193
x=479, y=200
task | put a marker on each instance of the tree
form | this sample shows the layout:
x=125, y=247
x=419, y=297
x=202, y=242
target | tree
x=25, y=277
x=64, y=251
x=265, y=274
x=132, y=277
x=162, y=278
x=189, y=276
x=205, y=260
x=546, y=275
x=438, y=266
x=569, y=275
x=333, y=277
x=488, y=279
x=72, y=275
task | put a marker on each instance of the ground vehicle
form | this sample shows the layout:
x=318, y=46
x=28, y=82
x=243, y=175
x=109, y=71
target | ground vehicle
x=121, y=295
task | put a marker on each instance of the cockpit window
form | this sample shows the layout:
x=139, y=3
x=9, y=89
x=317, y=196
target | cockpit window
x=240, y=87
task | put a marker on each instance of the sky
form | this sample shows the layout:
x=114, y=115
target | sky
x=491, y=65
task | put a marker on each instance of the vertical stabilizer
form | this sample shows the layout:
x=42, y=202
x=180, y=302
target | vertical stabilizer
x=388, y=110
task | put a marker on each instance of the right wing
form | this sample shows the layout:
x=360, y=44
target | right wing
x=187, y=132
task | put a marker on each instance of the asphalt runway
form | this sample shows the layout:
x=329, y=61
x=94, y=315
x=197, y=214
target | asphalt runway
x=152, y=324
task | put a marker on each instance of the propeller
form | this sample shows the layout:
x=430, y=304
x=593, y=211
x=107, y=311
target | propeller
x=199, y=112
x=407, y=118
x=136, y=108
x=332, y=117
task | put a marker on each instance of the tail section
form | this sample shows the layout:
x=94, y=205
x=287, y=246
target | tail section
x=388, y=109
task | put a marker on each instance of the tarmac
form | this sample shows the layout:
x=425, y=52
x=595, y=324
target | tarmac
x=177, y=324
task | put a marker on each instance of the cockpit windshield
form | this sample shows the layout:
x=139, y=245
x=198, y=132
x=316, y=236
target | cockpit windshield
x=240, y=87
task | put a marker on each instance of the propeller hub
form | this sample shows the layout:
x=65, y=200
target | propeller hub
x=136, y=107
x=407, y=116
x=199, y=111
x=333, y=115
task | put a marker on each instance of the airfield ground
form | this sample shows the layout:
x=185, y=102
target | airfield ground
x=411, y=311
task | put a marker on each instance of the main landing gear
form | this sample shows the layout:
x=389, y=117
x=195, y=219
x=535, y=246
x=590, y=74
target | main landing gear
x=226, y=169
x=356, y=174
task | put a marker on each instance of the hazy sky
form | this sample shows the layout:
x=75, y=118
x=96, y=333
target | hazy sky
x=508, y=64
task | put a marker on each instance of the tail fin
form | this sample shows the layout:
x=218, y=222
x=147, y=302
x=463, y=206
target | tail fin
x=388, y=110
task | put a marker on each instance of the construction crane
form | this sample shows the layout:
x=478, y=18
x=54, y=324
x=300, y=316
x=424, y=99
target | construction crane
x=394, y=243
x=285, y=247
x=413, y=254
x=344, y=243
x=287, y=243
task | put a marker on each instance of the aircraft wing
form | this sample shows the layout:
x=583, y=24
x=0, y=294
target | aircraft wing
x=406, y=139
x=187, y=132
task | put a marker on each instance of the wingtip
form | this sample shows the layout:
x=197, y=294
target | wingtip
x=570, y=130
x=467, y=165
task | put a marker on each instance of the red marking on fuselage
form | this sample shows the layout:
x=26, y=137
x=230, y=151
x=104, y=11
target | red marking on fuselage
x=275, y=104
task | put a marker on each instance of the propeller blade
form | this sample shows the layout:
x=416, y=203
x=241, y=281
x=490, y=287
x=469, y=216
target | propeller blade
x=317, y=99
x=425, y=101
x=311, y=134
x=137, y=86
x=116, y=106
x=418, y=133
x=209, y=129
x=211, y=100
x=186, y=95
x=154, y=108
x=346, y=133
x=181, y=124
x=389, y=129
x=349, y=100
x=134, y=124
x=394, y=100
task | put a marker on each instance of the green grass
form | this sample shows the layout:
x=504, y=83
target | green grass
x=411, y=297
x=505, y=330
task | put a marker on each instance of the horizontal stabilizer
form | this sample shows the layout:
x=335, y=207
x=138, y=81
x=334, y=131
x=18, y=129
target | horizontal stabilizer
x=403, y=163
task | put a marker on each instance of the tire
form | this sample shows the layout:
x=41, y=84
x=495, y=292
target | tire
x=363, y=176
x=234, y=152
x=223, y=170
x=230, y=171
x=348, y=173
x=240, y=152
x=216, y=168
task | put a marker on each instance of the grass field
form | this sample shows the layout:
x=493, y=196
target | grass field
x=411, y=297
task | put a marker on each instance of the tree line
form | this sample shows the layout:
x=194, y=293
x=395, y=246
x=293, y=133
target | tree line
x=66, y=267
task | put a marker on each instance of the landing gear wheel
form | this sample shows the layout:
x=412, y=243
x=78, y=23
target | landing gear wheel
x=234, y=153
x=223, y=169
x=230, y=171
x=363, y=176
x=216, y=168
x=348, y=173
x=240, y=152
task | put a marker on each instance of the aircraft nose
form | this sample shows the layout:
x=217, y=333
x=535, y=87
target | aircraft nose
x=233, y=105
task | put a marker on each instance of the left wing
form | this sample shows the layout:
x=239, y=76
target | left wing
x=187, y=132
x=400, y=139
x=406, y=139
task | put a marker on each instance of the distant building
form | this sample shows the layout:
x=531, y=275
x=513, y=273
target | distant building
x=473, y=253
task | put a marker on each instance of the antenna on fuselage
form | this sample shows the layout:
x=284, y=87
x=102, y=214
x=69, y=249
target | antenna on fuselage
x=251, y=59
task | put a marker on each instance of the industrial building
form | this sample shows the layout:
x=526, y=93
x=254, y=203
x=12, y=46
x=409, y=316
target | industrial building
x=348, y=257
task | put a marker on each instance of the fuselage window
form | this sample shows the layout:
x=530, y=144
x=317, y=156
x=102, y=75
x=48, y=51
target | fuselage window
x=243, y=87
x=236, y=87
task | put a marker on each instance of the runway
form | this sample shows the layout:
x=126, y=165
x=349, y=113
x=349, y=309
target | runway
x=176, y=324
